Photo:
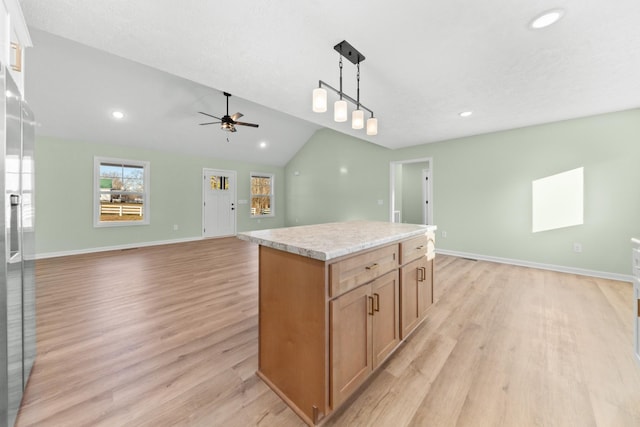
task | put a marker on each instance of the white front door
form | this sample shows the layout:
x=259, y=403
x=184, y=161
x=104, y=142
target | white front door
x=219, y=203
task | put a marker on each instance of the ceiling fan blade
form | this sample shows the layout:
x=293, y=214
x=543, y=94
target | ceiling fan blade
x=236, y=116
x=211, y=123
x=206, y=114
x=253, y=125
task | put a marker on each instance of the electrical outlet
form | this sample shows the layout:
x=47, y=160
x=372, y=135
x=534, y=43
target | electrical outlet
x=175, y=227
x=444, y=234
x=577, y=247
x=380, y=201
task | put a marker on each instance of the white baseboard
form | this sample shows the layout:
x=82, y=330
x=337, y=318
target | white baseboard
x=552, y=267
x=114, y=248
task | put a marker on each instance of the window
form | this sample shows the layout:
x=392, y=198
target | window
x=262, y=194
x=121, y=192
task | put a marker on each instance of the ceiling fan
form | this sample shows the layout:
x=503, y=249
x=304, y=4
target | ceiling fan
x=228, y=123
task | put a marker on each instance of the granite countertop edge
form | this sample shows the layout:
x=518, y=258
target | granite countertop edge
x=327, y=255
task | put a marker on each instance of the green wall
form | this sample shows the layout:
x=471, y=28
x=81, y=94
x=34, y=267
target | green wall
x=481, y=191
x=64, y=196
x=335, y=177
x=482, y=188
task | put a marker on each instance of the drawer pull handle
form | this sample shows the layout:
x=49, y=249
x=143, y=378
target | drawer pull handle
x=420, y=247
x=372, y=266
x=376, y=306
x=422, y=274
x=370, y=301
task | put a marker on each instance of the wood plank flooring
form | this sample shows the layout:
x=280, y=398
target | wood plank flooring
x=167, y=336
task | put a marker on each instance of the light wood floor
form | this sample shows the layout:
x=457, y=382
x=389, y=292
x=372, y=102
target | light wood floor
x=167, y=336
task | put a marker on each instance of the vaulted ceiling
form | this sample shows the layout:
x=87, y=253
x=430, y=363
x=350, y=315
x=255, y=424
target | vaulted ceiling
x=426, y=61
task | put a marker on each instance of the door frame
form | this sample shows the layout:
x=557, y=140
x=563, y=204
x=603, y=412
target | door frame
x=392, y=184
x=234, y=197
x=426, y=195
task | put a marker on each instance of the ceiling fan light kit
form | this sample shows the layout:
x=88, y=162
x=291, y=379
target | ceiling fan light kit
x=340, y=113
x=228, y=123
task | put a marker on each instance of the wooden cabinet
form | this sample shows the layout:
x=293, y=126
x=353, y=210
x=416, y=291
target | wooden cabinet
x=14, y=40
x=325, y=326
x=416, y=293
x=416, y=282
x=364, y=331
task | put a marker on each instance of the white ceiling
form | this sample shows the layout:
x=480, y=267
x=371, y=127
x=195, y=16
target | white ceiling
x=426, y=61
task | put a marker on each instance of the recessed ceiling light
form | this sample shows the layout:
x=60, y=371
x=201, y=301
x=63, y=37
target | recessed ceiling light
x=547, y=18
x=466, y=113
x=263, y=144
x=117, y=115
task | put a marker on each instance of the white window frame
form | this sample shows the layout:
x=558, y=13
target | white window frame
x=272, y=177
x=146, y=201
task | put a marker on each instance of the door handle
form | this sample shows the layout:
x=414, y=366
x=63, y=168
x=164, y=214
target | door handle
x=376, y=306
x=421, y=274
x=370, y=301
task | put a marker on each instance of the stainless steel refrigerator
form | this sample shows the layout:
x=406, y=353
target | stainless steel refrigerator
x=17, y=243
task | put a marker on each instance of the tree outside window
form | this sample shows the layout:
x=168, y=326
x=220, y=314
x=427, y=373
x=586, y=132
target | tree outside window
x=262, y=195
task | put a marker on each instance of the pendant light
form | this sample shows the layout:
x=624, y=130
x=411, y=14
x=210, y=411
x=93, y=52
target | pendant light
x=340, y=106
x=372, y=126
x=340, y=109
x=357, y=117
x=319, y=100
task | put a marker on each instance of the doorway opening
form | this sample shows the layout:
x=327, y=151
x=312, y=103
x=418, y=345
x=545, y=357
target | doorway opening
x=411, y=188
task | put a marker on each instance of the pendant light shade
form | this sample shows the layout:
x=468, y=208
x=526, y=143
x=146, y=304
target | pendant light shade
x=357, y=119
x=319, y=100
x=372, y=126
x=340, y=111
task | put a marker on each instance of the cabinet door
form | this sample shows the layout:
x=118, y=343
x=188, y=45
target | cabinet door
x=386, y=327
x=425, y=286
x=351, y=321
x=409, y=294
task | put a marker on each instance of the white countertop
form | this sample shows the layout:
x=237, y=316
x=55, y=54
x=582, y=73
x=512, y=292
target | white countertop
x=332, y=240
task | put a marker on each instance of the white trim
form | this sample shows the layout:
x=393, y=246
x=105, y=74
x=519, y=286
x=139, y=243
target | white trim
x=552, y=267
x=116, y=247
x=271, y=196
x=146, y=202
x=20, y=24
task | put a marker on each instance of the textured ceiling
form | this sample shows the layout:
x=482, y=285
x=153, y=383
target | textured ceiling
x=426, y=60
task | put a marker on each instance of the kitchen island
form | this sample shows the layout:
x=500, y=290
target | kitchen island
x=335, y=301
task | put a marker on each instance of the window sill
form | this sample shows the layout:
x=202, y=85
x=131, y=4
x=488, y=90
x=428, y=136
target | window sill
x=119, y=224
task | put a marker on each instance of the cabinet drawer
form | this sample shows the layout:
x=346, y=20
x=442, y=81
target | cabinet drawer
x=357, y=270
x=413, y=249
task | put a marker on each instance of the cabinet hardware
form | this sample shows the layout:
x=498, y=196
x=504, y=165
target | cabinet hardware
x=421, y=274
x=377, y=302
x=372, y=266
x=370, y=300
x=420, y=247
x=639, y=308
